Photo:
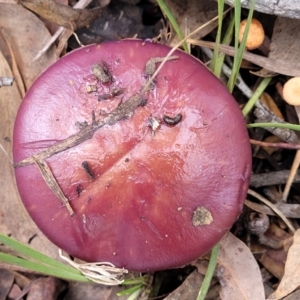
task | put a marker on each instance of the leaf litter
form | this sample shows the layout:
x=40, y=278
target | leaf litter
x=238, y=275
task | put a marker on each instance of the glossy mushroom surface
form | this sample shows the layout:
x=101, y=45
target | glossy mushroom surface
x=150, y=192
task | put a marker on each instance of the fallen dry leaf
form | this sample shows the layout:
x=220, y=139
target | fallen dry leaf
x=268, y=101
x=192, y=14
x=27, y=35
x=291, y=279
x=294, y=296
x=241, y=278
x=15, y=292
x=46, y=288
x=274, y=260
x=86, y=291
x=6, y=283
x=285, y=43
x=189, y=289
x=60, y=14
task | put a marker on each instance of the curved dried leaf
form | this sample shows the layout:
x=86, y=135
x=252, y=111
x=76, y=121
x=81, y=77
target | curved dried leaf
x=241, y=278
x=291, y=278
x=62, y=15
x=285, y=43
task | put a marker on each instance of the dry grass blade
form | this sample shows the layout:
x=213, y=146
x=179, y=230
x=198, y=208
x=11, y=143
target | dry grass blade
x=274, y=65
x=99, y=272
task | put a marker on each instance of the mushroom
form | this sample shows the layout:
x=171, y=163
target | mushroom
x=291, y=91
x=255, y=36
x=291, y=95
x=138, y=200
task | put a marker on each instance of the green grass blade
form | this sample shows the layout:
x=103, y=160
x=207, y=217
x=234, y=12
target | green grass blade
x=40, y=268
x=276, y=125
x=130, y=290
x=226, y=41
x=239, y=50
x=209, y=273
x=213, y=64
x=165, y=9
x=237, y=21
x=35, y=255
x=260, y=89
x=133, y=281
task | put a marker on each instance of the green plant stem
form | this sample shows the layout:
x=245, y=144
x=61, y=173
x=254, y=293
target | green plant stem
x=165, y=9
x=209, y=273
x=260, y=89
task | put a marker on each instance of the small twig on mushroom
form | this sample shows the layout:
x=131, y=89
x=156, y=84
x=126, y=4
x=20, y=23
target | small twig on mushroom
x=52, y=183
x=124, y=111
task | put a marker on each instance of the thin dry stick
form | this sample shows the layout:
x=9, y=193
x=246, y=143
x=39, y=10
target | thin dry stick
x=124, y=111
x=264, y=62
x=273, y=207
x=292, y=175
x=294, y=168
x=276, y=145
